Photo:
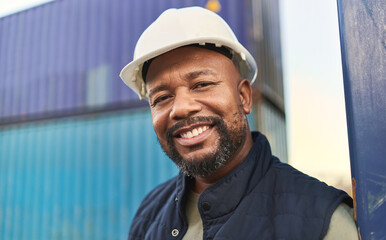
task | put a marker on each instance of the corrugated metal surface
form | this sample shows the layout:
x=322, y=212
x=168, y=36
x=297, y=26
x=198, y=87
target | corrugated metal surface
x=362, y=33
x=268, y=98
x=267, y=49
x=78, y=178
x=64, y=57
x=273, y=126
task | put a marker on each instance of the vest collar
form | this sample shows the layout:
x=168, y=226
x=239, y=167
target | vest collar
x=223, y=196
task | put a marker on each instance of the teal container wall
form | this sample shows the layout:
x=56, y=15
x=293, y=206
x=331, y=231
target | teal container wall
x=78, y=178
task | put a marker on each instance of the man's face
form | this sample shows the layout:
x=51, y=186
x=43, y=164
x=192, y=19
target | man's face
x=197, y=108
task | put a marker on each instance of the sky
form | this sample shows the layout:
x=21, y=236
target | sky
x=11, y=6
x=314, y=97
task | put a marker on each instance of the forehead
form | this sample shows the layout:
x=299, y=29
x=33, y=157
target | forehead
x=187, y=59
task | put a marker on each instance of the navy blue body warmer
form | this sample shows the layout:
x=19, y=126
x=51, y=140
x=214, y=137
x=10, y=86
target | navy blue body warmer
x=260, y=199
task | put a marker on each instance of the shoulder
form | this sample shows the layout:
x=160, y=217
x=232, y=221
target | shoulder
x=305, y=198
x=155, y=202
x=288, y=179
x=159, y=194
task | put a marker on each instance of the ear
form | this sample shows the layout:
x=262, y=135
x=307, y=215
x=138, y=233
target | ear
x=245, y=92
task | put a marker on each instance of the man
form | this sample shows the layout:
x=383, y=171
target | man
x=197, y=78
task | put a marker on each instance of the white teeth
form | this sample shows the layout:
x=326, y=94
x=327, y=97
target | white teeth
x=194, y=132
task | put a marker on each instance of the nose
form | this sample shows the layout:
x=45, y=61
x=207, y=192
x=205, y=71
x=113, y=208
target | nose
x=184, y=106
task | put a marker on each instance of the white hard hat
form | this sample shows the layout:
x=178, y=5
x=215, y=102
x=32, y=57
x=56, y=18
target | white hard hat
x=175, y=28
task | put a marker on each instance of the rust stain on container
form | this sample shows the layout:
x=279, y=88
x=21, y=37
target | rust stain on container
x=353, y=182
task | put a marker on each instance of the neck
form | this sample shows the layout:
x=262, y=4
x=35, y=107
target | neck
x=201, y=183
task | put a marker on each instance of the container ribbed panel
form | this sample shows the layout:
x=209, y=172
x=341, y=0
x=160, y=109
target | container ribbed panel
x=64, y=57
x=78, y=178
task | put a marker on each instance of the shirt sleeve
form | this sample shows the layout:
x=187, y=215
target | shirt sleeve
x=342, y=224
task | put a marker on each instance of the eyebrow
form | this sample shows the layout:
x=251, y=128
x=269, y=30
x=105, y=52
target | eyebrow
x=157, y=89
x=196, y=74
x=189, y=76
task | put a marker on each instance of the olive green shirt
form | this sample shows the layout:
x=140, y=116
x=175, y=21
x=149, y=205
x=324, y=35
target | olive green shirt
x=342, y=225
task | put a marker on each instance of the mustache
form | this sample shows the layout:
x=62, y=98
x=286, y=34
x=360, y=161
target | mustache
x=192, y=120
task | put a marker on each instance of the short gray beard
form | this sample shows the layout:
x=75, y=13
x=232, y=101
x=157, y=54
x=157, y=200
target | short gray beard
x=230, y=140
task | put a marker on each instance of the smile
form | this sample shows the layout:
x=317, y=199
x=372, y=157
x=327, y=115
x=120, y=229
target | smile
x=193, y=135
x=194, y=132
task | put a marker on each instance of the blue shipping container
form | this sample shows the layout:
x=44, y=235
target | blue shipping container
x=78, y=178
x=64, y=57
x=362, y=33
x=69, y=176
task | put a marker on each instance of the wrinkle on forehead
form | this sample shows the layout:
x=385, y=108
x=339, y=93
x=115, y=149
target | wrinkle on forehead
x=195, y=74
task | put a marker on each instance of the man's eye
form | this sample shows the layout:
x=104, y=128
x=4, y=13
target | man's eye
x=202, y=84
x=159, y=100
